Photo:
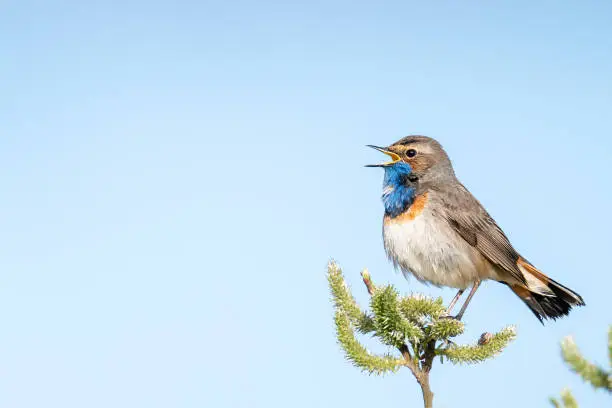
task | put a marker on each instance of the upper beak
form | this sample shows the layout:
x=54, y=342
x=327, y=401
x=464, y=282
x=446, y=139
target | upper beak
x=394, y=157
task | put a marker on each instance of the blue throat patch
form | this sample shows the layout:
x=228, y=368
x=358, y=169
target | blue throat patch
x=397, y=196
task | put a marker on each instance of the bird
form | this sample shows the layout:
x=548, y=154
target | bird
x=435, y=230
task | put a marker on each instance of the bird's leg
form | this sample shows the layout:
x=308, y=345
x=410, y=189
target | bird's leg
x=467, y=301
x=454, y=301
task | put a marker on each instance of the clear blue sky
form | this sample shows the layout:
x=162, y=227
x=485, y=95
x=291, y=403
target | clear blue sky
x=176, y=176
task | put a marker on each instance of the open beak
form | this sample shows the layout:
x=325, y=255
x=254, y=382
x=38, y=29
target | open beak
x=394, y=157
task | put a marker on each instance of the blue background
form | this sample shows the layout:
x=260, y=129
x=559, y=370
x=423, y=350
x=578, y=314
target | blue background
x=176, y=175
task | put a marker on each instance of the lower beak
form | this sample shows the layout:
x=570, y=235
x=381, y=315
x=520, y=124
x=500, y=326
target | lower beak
x=394, y=157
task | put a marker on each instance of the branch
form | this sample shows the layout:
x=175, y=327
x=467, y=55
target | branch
x=418, y=307
x=358, y=354
x=344, y=300
x=365, y=275
x=567, y=400
x=390, y=326
x=393, y=328
x=483, y=350
x=591, y=373
x=412, y=325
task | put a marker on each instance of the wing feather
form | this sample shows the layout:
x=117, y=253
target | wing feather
x=474, y=224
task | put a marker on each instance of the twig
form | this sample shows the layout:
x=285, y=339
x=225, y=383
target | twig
x=420, y=371
x=367, y=281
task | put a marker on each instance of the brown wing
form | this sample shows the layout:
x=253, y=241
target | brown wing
x=472, y=222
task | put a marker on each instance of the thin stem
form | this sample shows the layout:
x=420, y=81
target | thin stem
x=408, y=357
x=421, y=373
x=426, y=363
x=427, y=394
x=367, y=281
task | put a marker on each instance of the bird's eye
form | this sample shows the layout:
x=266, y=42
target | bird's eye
x=412, y=178
x=411, y=153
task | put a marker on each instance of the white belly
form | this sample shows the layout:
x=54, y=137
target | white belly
x=431, y=251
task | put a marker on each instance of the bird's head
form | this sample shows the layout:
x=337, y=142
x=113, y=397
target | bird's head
x=420, y=156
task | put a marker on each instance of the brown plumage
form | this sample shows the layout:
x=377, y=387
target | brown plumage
x=446, y=237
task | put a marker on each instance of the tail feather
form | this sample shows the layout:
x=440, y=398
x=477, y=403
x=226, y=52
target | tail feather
x=545, y=297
